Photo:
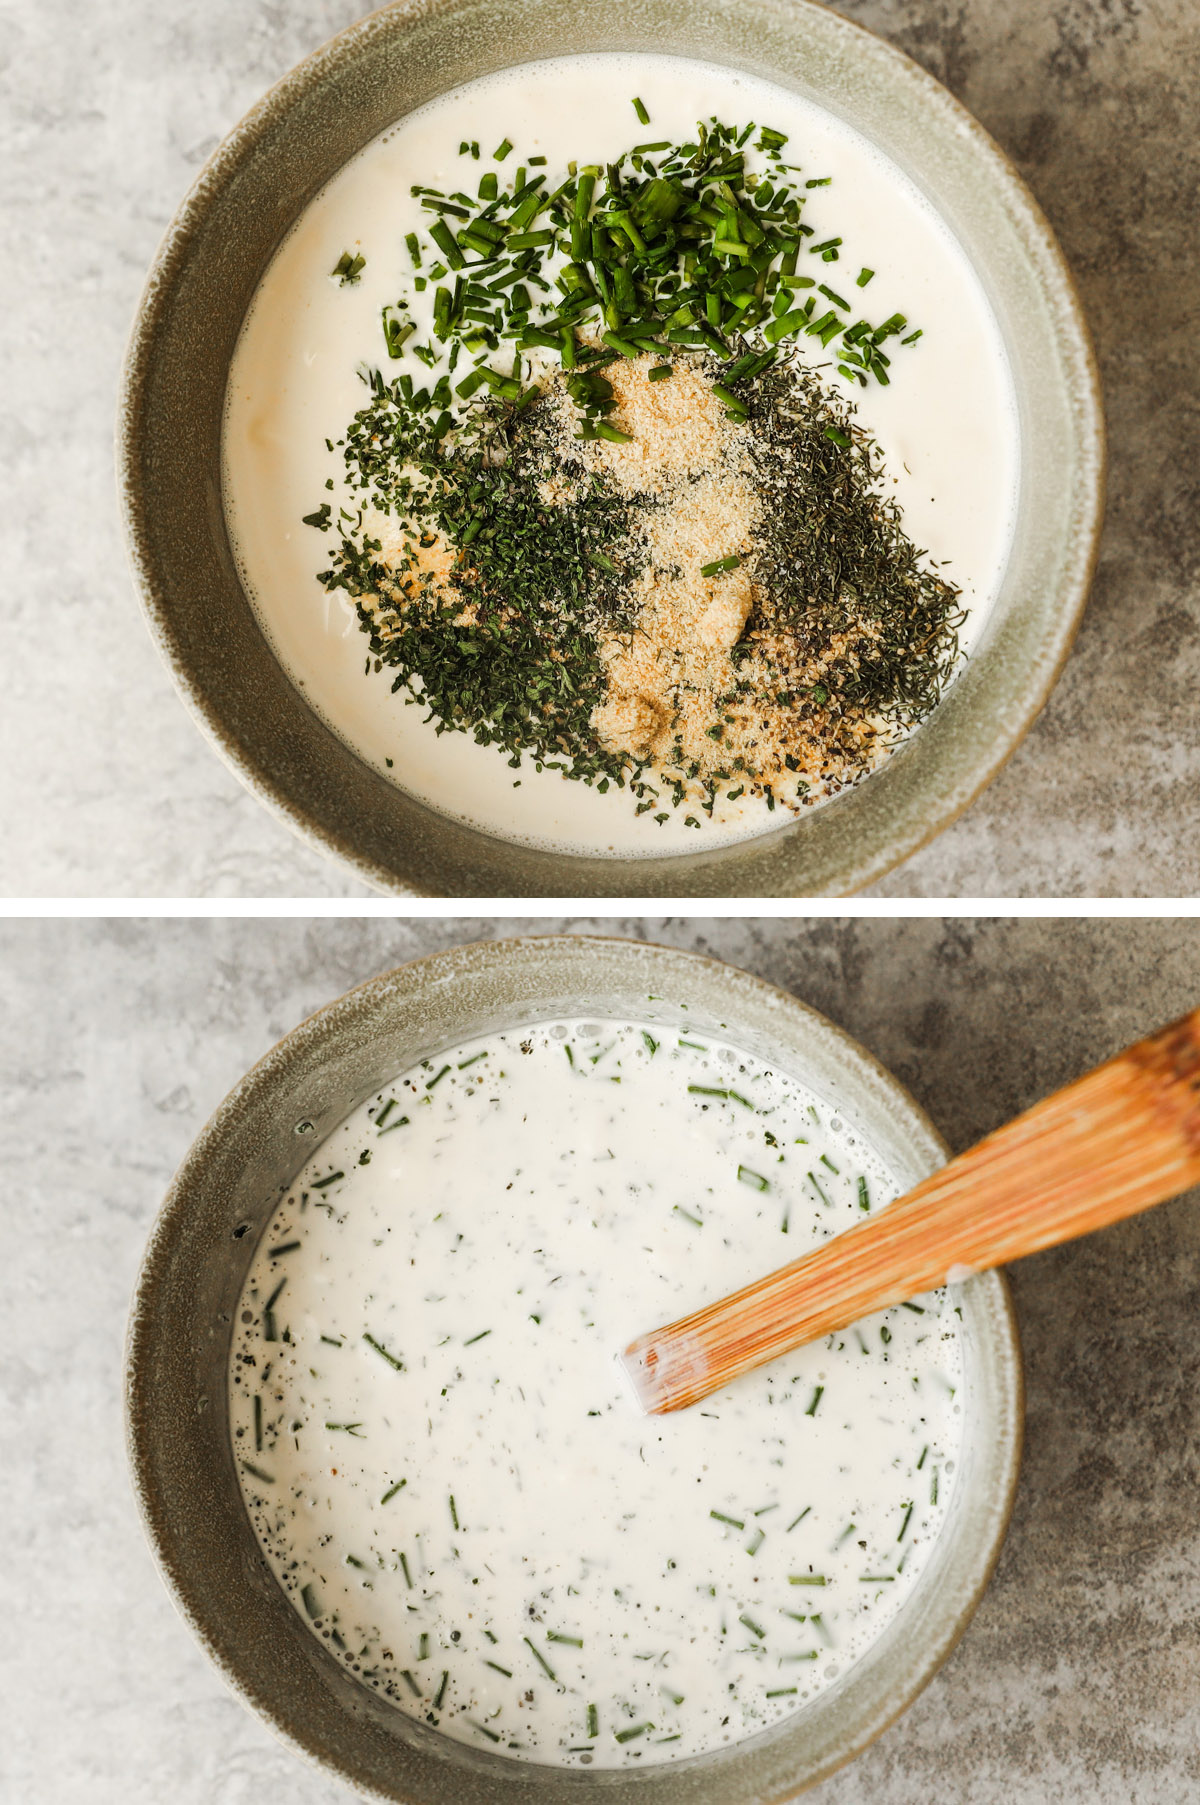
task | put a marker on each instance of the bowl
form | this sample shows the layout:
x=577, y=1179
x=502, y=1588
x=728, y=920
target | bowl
x=203, y=280
x=181, y=1328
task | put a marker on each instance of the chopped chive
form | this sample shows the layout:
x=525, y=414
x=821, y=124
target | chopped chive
x=908, y=1511
x=782, y=1692
x=258, y=1473
x=755, y=1180
x=799, y=1519
x=651, y=1043
x=464, y=1063
x=679, y=1210
x=639, y=108
x=490, y=1734
x=593, y=1721
x=660, y=372
x=474, y=1338
x=331, y=1342
x=637, y=1730
x=571, y=1641
x=722, y=564
x=404, y=1568
x=438, y=1079
x=288, y=1247
x=392, y=1490
x=506, y=1671
x=347, y=1429
x=453, y=1511
x=540, y=1658
x=806, y=1579
x=348, y=268
x=810, y=1655
x=380, y=1349
x=864, y=1196
x=385, y=1112
x=875, y=1579
x=755, y=1629
x=501, y=150
x=817, y=1395
x=310, y=1601
x=441, y=1691
x=322, y=1183
x=703, y=1090
x=734, y=1522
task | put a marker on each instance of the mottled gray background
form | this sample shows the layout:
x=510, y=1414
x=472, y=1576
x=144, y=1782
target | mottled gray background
x=1078, y=1681
x=107, y=112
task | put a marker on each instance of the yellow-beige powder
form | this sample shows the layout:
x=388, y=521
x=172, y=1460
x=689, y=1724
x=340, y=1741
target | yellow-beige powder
x=677, y=695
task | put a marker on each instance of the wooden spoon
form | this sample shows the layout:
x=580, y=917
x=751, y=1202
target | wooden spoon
x=1122, y=1138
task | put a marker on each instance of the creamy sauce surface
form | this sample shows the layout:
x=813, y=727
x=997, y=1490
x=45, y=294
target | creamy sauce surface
x=946, y=424
x=441, y=1458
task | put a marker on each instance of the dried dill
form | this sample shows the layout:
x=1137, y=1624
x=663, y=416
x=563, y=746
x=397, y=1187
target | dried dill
x=505, y=646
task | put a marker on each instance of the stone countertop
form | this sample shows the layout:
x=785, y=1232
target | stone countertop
x=108, y=112
x=1078, y=1681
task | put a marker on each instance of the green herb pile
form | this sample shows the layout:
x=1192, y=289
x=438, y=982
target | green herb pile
x=671, y=245
x=680, y=252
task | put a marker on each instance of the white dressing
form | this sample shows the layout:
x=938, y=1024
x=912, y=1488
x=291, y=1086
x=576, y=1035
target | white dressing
x=439, y=1453
x=946, y=424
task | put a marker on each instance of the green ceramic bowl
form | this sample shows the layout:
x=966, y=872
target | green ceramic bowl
x=180, y=1332
x=206, y=273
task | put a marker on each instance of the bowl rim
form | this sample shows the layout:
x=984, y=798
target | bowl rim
x=255, y=1087
x=883, y=848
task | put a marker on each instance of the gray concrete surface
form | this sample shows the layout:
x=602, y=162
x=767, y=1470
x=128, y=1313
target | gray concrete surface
x=106, y=114
x=1078, y=1681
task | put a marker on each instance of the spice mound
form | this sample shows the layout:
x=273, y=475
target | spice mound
x=705, y=594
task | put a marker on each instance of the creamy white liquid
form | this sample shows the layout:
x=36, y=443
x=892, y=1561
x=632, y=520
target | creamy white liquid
x=442, y=1460
x=947, y=423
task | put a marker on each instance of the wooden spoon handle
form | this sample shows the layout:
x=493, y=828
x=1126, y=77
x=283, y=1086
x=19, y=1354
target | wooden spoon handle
x=1115, y=1142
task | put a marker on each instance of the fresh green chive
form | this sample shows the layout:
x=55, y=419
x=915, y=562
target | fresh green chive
x=381, y=1350
x=540, y=1658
